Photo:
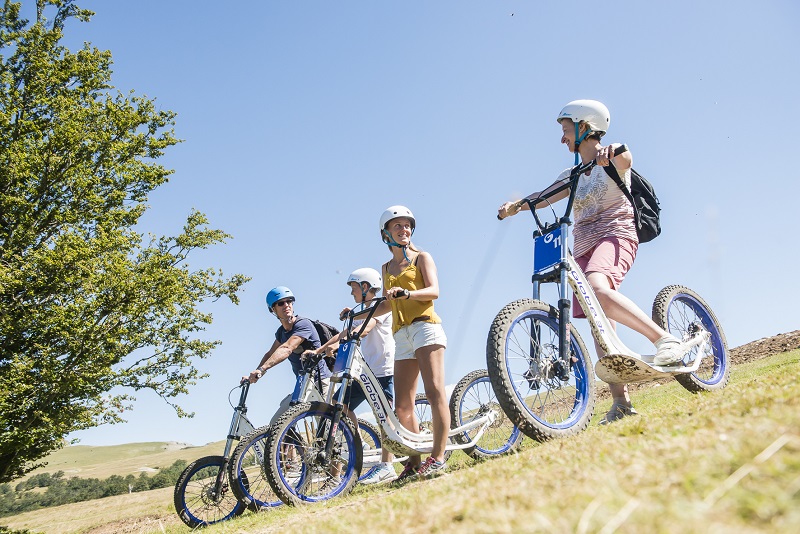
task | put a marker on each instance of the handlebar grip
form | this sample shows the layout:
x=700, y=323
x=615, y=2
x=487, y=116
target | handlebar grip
x=402, y=293
x=499, y=218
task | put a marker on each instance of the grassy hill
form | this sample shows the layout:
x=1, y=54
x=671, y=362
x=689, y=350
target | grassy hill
x=132, y=458
x=721, y=462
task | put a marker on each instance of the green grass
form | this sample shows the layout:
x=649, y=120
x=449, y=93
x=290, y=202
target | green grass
x=720, y=462
x=665, y=471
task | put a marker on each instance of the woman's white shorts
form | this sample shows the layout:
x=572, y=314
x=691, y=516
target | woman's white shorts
x=417, y=335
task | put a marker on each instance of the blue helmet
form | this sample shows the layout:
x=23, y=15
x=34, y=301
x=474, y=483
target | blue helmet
x=278, y=293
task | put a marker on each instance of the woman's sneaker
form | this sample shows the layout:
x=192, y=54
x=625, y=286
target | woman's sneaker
x=669, y=351
x=408, y=472
x=383, y=473
x=431, y=468
x=617, y=412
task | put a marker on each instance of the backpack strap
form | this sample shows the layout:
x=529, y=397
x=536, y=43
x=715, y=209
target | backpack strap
x=307, y=344
x=614, y=174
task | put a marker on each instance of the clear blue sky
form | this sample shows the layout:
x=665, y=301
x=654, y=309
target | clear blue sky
x=303, y=120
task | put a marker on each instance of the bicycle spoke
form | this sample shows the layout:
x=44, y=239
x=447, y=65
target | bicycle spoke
x=549, y=393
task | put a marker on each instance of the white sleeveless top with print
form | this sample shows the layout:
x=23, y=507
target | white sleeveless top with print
x=601, y=210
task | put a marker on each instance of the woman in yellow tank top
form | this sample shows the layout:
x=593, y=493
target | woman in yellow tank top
x=411, y=285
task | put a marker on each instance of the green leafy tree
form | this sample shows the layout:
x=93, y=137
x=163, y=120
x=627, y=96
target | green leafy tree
x=142, y=483
x=114, y=485
x=91, y=310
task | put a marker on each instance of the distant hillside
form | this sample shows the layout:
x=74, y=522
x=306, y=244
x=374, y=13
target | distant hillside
x=87, y=461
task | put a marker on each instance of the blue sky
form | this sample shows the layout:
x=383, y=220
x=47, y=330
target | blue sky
x=303, y=120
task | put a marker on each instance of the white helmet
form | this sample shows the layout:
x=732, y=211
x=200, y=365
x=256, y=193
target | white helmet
x=592, y=112
x=366, y=275
x=393, y=212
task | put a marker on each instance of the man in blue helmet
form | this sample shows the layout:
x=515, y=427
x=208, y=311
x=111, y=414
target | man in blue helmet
x=294, y=336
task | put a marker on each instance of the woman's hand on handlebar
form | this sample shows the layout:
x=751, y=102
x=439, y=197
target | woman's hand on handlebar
x=509, y=209
x=343, y=314
x=397, y=293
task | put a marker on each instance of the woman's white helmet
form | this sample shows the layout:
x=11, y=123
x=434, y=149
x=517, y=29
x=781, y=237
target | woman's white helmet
x=393, y=212
x=368, y=276
x=592, y=112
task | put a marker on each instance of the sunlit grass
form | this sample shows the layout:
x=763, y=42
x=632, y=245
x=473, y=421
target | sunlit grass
x=671, y=469
x=721, y=462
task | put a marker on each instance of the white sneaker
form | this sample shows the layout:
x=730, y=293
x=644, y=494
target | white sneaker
x=669, y=351
x=383, y=473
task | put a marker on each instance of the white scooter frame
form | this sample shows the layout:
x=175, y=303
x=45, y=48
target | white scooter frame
x=350, y=365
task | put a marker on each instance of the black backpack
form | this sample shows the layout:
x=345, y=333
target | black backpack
x=646, y=207
x=325, y=333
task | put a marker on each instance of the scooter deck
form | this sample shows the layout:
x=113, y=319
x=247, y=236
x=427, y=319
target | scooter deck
x=622, y=369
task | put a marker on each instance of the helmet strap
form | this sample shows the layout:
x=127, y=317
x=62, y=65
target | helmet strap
x=578, y=141
x=363, y=292
x=392, y=243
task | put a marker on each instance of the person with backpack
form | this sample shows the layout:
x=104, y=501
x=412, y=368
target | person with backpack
x=294, y=336
x=377, y=348
x=605, y=233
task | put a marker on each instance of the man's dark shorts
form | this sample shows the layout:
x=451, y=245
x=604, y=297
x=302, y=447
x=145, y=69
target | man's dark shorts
x=355, y=395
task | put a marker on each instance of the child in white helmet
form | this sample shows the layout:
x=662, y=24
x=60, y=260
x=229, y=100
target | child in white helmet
x=605, y=241
x=377, y=348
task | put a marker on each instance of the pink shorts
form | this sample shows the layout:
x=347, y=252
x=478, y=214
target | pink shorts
x=612, y=257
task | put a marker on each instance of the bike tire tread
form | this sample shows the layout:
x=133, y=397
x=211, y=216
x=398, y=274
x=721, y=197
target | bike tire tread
x=660, y=315
x=501, y=382
x=456, y=397
x=179, y=493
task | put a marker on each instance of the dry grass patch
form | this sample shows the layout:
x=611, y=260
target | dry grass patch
x=88, y=461
x=141, y=512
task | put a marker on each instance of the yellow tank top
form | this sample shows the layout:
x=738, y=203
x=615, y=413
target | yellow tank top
x=404, y=312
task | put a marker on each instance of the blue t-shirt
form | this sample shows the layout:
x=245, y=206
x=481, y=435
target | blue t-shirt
x=304, y=328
